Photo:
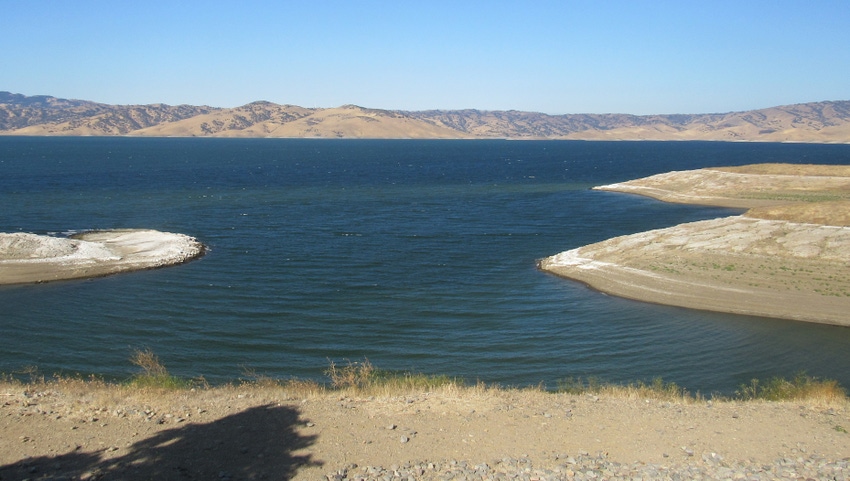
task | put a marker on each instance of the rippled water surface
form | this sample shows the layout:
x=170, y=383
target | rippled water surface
x=419, y=255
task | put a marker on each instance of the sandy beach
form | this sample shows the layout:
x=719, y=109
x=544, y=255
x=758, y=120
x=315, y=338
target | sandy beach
x=30, y=258
x=786, y=257
x=254, y=432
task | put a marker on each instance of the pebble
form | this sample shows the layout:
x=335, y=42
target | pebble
x=593, y=467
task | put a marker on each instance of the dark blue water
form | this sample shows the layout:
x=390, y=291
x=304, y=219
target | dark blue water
x=419, y=255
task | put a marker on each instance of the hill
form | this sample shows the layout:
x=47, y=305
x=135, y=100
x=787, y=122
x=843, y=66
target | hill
x=45, y=115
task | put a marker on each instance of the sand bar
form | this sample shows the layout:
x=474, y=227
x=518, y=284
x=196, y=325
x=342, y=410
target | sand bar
x=30, y=258
x=788, y=257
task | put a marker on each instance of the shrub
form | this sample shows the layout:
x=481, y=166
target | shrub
x=154, y=374
x=352, y=375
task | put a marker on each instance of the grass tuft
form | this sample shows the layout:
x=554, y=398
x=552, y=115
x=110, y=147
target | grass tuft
x=352, y=375
x=297, y=387
x=365, y=377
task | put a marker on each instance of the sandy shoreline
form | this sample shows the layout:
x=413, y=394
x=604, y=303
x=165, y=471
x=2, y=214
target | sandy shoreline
x=30, y=258
x=735, y=264
x=787, y=257
x=250, y=432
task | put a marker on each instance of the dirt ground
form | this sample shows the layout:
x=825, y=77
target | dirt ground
x=787, y=257
x=89, y=432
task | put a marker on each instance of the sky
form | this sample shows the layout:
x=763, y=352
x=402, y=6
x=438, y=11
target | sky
x=558, y=57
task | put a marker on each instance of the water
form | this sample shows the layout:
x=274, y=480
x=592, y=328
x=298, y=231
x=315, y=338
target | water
x=418, y=255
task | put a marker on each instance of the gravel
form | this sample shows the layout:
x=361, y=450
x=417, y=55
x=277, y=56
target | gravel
x=598, y=467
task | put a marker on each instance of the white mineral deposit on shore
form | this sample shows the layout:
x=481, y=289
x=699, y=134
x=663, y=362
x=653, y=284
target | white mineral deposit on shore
x=27, y=258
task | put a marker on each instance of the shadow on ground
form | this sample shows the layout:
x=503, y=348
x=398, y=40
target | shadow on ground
x=258, y=443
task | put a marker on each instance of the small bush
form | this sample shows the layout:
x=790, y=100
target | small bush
x=154, y=374
x=352, y=375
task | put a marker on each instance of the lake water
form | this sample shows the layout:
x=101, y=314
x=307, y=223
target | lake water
x=418, y=255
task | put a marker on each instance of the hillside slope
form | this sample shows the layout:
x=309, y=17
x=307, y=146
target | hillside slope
x=44, y=115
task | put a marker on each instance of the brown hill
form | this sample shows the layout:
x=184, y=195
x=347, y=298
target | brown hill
x=44, y=115
x=257, y=119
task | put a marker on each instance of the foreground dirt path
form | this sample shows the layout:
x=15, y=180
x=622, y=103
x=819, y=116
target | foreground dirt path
x=787, y=257
x=268, y=433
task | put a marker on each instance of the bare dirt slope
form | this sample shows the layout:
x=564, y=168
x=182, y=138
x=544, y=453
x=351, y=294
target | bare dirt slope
x=787, y=257
x=257, y=433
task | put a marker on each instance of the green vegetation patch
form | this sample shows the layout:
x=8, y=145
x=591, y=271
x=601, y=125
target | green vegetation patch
x=800, y=387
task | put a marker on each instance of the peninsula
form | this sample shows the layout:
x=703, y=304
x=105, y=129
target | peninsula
x=30, y=258
x=786, y=257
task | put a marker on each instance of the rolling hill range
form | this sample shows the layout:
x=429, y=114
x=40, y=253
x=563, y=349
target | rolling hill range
x=45, y=115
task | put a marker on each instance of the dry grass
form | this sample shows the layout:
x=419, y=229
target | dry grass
x=155, y=385
x=790, y=169
x=353, y=374
x=95, y=392
x=657, y=389
x=800, y=388
x=364, y=378
x=835, y=213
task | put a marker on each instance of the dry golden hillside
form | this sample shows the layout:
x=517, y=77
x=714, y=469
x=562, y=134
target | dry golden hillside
x=43, y=115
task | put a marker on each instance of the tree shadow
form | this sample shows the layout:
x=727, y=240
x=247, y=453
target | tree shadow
x=257, y=443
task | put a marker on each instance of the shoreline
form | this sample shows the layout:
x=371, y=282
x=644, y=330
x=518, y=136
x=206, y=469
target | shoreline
x=767, y=285
x=32, y=259
x=784, y=258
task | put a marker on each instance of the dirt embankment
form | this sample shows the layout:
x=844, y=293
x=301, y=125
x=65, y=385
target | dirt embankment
x=787, y=257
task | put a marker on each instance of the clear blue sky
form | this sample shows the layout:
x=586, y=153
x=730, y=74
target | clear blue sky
x=558, y=57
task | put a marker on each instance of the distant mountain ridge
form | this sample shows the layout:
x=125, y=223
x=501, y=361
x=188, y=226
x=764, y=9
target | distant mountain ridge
x=827, y=121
